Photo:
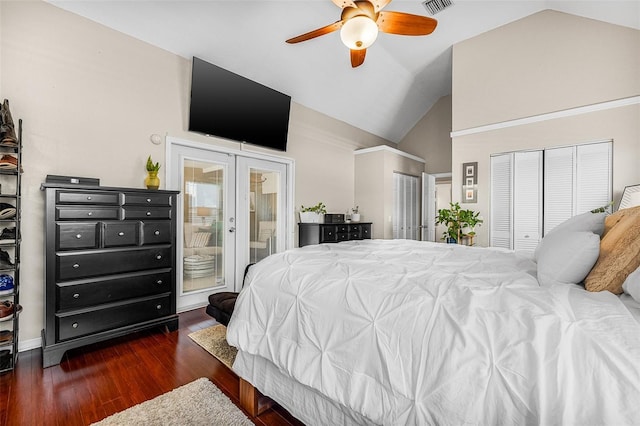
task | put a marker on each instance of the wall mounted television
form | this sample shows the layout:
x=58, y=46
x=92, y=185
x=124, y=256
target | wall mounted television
x=230, y=106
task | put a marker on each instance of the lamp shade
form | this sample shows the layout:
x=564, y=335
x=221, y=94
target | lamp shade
x=359, y=32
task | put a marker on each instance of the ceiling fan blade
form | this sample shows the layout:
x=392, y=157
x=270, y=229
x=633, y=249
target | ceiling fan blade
x=357, y=57
x=405, y=24
x=316, y=33
x=344, y=3
x=378, y=5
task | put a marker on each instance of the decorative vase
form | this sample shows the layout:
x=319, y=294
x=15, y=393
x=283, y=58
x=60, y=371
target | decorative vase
x=152, y=181
x=355, y=217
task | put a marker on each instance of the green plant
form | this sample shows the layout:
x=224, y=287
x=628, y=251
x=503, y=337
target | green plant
x=355, y=210
x=151, y=167
x=319, y=208
x=457, y=220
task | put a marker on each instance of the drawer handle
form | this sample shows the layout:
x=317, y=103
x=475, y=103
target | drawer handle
x=76, y=295
x=158, y=256
x=159, y=282
x=90, y=214
x=148, y=200
x=74, y=325
x=148, y=213
x=89, y=198
x=121, y=234
x=330, y=233
x=156, y=233
x=76, y=265
x=158, y=306
x=78, y=236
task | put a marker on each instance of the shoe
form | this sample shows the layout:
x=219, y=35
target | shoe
x=8, y=235
x=7, y=211
x=6, y=284
x=9, y=162
x=7, y=310
x=7, y=128
x=5, y=359
x=6, y=336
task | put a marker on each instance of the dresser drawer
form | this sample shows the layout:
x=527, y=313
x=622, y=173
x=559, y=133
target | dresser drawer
x=156, y=232
x=118, y=234
x=342, y=236
x=147, y=199
x=366, y=232
x=81, y=294
x=112, y=316
x=328, y=234
x=93, y=213
x=343, y=229
x=132, y=212
x=74, y=236
x=74, y=197
x=101, y=262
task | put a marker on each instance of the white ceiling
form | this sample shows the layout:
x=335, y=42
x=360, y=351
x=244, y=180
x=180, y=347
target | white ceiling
x=401, y=78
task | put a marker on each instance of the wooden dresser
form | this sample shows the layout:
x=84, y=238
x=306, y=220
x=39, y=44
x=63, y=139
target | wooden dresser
x=110, y=266
x=318, y=233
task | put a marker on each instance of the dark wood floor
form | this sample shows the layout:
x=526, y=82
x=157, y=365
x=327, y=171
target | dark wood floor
x=96, y=381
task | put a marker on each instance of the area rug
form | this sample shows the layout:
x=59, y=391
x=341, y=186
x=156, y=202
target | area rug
x=197, y=403
x=214, y=340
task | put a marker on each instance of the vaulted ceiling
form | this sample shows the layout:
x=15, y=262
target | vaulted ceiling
x=401, y=78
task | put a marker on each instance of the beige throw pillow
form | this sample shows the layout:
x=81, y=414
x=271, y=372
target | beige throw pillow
x=619, y=252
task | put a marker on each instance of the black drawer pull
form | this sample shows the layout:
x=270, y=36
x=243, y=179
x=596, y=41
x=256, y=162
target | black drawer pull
x=76, y=295
x=156, y=232
x=78, y=236
x=148, y=200
x=159, y=282
x=148, y=213
x=74, y=325
x=120, y=234
x=158, y=306
x=90, y=214
x=89, y=198
x=158, y=256
x=76, y=265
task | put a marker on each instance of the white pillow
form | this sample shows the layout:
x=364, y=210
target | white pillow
x=567, y=257
x=631, y=285
x=588, y=222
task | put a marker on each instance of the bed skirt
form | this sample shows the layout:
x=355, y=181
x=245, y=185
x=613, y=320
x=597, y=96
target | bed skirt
x=304, y=403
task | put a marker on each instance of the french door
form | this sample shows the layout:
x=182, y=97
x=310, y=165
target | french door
x=233, y=210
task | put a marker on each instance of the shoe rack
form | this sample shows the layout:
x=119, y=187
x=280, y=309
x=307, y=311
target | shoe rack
x=10, y=196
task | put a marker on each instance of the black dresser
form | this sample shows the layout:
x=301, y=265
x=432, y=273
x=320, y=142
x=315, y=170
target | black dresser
x=318, y=233
x=110, y=264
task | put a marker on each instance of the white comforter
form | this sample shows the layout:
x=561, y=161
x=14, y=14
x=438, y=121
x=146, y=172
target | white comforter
x=414, y=333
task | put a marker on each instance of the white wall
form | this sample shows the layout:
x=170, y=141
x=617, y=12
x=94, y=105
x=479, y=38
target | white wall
x=90, y=98
x=519, y=71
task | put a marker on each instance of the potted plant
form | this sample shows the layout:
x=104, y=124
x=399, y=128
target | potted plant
x=312, y=214
x=355, y=215
x=459, y=222
x=152, y=181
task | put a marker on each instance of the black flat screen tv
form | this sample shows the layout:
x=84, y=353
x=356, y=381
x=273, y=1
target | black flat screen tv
x=230, y=106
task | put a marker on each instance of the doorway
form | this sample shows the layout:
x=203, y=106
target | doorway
x=235, y=208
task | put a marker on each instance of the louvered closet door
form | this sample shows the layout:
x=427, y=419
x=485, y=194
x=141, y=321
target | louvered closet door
x=527, y=200
x=576, y=179
x=406, y=220
x=501, y=222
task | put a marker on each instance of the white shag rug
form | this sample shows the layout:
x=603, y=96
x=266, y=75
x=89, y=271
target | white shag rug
x=197, y=403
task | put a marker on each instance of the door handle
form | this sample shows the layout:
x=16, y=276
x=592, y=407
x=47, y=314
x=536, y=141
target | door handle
x=232, y=229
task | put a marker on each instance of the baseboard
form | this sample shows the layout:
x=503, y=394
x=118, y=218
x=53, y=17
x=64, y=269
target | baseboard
x=27, y=345
x=192, y=307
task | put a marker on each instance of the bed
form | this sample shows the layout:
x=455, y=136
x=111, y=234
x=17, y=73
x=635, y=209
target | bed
x=399, y=332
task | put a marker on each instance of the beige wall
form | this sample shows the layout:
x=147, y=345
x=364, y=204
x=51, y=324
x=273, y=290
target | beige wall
x=90, y=98
x=518, y=71
x=430, y=138
x=374, y=185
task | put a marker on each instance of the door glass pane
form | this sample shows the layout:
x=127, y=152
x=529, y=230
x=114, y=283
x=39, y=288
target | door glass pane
x=203, y=262
x=263, y=205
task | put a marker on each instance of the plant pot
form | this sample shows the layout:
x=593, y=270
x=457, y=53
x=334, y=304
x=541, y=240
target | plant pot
x=309, y=217
x=152, y=181
x=450, y=240
x=355, y=217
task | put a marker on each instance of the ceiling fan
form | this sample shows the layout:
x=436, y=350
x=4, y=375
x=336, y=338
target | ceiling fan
x=362, y=19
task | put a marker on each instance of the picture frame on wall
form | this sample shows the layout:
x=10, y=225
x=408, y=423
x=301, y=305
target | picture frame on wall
x=470, y=182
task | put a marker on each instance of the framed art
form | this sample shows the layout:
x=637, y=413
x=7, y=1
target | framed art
x=470, y=182
x=630, y=197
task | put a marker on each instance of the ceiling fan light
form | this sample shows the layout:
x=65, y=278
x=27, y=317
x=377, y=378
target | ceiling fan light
x=359, y=32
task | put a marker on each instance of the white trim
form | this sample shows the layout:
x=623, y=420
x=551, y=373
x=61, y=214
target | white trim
x=634, y=100
x=442, y=175
x=390, y=149
x=27, y=345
